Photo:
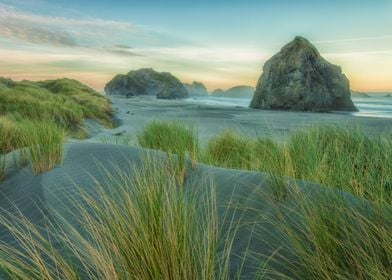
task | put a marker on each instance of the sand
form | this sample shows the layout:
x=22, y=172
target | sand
x=40, y=196
x=133, y=113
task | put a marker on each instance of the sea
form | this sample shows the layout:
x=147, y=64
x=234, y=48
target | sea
x=374, y=106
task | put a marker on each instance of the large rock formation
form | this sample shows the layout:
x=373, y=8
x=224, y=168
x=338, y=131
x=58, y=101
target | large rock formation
x=196, y=89
x=237, y=91
x=146, y=81
x=298, y=78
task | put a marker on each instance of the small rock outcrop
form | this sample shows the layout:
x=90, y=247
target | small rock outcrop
x=218, y=92
x=237, y=91
x=359, y=94
x=146, y=81
x=298, y=78
x=196, y=89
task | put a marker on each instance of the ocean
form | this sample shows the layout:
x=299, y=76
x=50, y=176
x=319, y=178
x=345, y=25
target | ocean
x=375, y=106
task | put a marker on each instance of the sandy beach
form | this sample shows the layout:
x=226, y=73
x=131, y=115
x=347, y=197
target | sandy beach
x=133, y=113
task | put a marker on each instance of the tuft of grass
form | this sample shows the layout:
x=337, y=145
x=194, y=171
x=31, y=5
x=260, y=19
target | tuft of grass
x=229, y=150
x=148, y=228
x=9, y=134
x=40, y=143
x=343, y=158
x=329, y=238
x=3, y=167
x=171, y=137
x=65, y=102
x=44, y=142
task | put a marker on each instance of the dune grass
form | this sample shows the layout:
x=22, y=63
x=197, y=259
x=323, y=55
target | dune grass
x=3, y=167
x=37, y=115
x=337, y=157
x=145, y=226
x=328, y=238
x=172, y=138
x=44, y=142
x=40, y=143
x=65, y=102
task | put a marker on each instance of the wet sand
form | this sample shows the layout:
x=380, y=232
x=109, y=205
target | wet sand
x=133, y=113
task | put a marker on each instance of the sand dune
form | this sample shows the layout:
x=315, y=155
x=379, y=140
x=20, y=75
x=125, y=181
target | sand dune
x=86, y=164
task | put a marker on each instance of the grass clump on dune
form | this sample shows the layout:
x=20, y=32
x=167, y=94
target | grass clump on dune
x=344, y=158
x=229, y=150
x=329, y=239
x=3, y=167
x=65, y=102
x=144, y=227
x=171, y=137
x=336, y=157
x=41, y=142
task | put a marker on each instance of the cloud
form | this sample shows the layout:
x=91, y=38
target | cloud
x=61, y=31
x=376, y=38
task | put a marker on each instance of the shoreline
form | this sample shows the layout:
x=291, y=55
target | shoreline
x=132, y=114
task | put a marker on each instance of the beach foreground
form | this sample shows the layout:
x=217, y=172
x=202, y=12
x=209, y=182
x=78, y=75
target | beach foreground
x=110, y=210
x=133, y=114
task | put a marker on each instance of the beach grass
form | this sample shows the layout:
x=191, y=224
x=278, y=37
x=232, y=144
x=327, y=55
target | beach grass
x=3, y=167
x=148, y=228
x=144, y=225
x=328, y=237
x=65, y=102
x=44, y=142
x=339, y=157
x=172, y=138
x=40, y=143
x=151, y=227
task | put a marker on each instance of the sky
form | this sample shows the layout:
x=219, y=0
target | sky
x=222, y=43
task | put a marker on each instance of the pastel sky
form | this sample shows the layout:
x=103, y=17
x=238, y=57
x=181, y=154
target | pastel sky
x=221, y=43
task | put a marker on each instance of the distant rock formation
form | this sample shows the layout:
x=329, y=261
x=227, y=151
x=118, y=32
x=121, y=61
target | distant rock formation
x=196, y=89
x=237, y=91
x=359, y=94
x=218, y=92
x=298, y=78
x=388, y=95
x=146, y=81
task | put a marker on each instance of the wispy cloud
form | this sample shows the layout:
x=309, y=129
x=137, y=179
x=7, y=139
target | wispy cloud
x=358, y=39
x=60, y=31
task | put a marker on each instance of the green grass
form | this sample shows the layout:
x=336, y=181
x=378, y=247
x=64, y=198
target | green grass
x=3, y=167
x=172, y=138
x=65, y=102
x=40, y=143
x=37, y=115
x=148, y=228
x=344, y=158
x=329, y=239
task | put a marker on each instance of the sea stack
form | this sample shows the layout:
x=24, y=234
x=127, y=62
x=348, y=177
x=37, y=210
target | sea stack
x=196, y=89
x=146, y=81
x=297, y=78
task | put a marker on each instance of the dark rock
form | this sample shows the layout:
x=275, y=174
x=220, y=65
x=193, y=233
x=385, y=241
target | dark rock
x=237, y=91
x=388, y=95
x=146, y=81
x=218, y=92
x=196, y=89
x=298, y=78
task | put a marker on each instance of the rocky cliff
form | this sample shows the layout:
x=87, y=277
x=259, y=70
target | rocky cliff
x=146, y=81
x=196, y=89
x=298, y=78
x=237, y=91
